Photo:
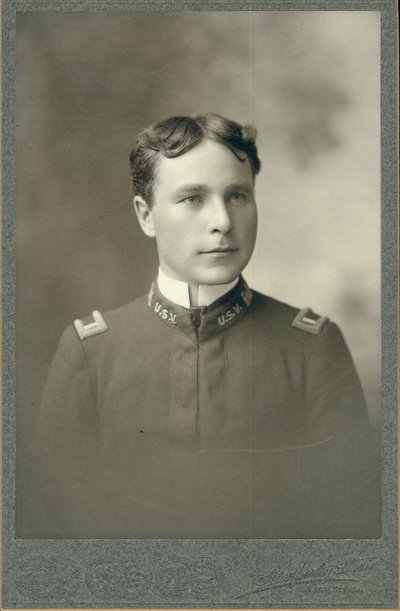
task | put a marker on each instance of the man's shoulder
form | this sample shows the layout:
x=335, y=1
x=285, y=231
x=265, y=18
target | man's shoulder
x=283, y=317
x=129, y=314
x=102, y=327
x=279, y=310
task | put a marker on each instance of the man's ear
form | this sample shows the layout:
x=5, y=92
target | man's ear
x=143, y=212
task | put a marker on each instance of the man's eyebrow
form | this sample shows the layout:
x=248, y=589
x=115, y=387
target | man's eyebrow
x=201, y=188
x=240, y=186
x=189, y=188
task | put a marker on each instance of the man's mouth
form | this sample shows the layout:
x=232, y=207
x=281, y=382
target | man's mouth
x=220, y=250
x=220, y=253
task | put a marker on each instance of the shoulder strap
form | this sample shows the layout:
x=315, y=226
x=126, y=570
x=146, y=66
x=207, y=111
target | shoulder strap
x=98, y=325
x=307, y=321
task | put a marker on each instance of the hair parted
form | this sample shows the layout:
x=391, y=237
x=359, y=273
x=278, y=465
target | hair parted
x=177, y=135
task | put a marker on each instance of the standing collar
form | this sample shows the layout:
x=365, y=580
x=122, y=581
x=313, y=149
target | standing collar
x=201, y=322
x=177, y=291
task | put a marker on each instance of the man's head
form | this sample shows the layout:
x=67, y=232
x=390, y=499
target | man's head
x=193, y=180
x=177, y=135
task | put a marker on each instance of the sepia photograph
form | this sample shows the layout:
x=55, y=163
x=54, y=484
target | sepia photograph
x=216, y=404
x=198, y=305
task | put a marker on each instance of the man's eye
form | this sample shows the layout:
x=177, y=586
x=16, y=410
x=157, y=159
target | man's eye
x=192, y=200
x=238, y=198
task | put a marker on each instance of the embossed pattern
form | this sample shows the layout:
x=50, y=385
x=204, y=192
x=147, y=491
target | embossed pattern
x=45, y=577
x=113, y=580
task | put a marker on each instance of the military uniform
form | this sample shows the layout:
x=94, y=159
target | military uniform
x=244, y=418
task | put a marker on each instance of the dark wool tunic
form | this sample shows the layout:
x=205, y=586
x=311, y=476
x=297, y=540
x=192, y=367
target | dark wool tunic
x=223, y=421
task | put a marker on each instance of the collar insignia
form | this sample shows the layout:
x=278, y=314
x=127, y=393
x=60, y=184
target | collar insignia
x=202, y=322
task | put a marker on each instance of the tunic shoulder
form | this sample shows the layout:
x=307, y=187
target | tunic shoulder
x=117, y=321
x=76, y=346
x=292, y=320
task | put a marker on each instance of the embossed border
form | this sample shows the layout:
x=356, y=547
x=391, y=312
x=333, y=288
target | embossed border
x=203, y=573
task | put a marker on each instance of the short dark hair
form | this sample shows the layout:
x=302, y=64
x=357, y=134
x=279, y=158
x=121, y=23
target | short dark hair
x=177, y=135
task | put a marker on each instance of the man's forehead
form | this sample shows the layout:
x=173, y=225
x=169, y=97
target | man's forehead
x=207, y=162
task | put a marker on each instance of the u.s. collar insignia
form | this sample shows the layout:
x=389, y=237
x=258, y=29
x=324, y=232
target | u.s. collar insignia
x=99, y=325
x=306, y=320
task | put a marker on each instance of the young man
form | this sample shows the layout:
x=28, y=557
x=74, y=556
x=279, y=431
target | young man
x=204, y=409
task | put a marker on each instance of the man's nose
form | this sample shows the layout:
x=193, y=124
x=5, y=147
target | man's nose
x=220, y=220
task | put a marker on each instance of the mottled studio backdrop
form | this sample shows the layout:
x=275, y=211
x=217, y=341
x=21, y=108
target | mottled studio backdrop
x=87, y=82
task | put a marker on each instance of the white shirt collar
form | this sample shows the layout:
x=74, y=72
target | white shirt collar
x=178, y=291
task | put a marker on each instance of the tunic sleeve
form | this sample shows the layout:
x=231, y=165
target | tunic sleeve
x=65, y=443
x=338, y=467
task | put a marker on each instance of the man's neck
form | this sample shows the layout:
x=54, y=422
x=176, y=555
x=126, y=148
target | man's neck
x=188, y=295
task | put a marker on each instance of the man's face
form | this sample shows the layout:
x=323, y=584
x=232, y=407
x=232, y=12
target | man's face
x=204, y=214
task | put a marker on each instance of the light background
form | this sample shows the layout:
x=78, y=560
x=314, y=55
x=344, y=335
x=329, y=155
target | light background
x=88, y=82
